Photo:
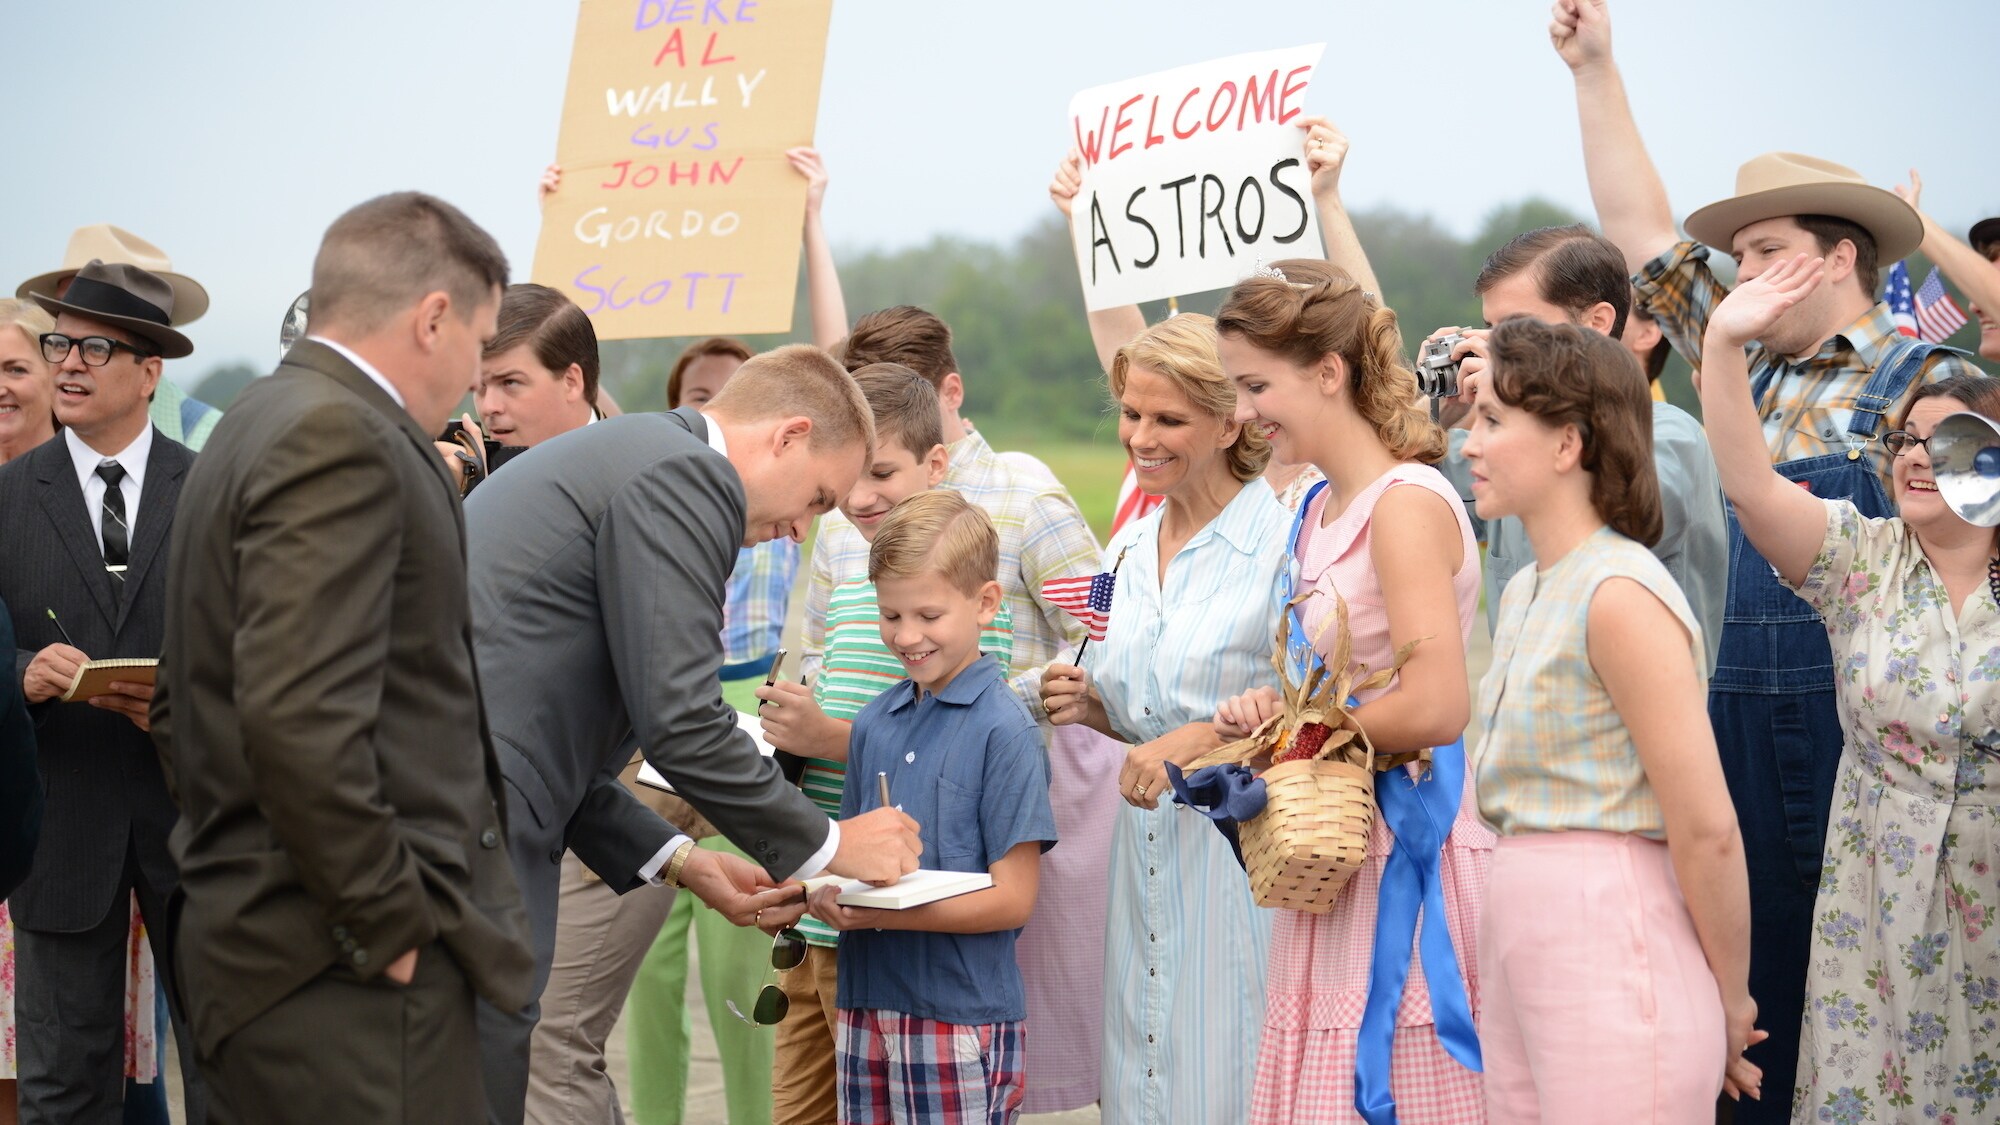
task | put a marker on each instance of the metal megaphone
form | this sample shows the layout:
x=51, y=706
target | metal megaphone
x=1965, y=459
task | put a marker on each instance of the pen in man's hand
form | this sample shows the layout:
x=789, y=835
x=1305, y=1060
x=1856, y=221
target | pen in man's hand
x=59, y=626
x=882, y=778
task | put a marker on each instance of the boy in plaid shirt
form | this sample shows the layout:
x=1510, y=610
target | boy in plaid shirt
x=931, y=1000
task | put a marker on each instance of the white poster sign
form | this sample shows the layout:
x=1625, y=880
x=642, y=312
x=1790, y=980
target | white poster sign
x=1192, y=175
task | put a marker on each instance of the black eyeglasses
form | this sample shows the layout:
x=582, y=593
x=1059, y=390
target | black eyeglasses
x=1902, y=441
x=788, y=951
x=97, y=350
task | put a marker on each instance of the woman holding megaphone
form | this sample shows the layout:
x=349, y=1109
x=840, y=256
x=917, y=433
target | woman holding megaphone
x=1904, y=976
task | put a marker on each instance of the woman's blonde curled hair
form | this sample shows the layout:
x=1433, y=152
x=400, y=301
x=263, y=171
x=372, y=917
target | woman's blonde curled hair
x=1315, y=310
x=1181, y=349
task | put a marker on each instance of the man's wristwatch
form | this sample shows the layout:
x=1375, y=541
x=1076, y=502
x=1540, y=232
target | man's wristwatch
x=672, y=875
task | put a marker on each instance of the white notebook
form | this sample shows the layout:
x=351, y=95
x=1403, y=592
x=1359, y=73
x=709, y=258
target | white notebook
x=746, y=722
x=915, y=889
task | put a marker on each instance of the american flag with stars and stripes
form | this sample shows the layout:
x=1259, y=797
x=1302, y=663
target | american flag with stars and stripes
x=1902, y=302
x=1937, y=314
x=1086, y=599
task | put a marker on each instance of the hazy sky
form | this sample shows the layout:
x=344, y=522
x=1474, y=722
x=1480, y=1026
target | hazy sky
x=232, y=131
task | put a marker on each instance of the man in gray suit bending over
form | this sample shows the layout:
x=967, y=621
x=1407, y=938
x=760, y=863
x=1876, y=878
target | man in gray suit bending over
x=598, y=563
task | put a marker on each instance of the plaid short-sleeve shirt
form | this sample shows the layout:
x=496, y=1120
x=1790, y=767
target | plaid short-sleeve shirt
x=760, y=588
x=1806, y=405
x=1555, y=754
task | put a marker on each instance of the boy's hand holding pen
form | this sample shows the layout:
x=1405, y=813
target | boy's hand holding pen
x=794, y=723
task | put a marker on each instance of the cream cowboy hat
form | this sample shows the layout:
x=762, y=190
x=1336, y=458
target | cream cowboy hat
x=1777, y=184
x=106, y=243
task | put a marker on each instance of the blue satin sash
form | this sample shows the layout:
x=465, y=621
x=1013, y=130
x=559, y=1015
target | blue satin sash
x=1420, y=814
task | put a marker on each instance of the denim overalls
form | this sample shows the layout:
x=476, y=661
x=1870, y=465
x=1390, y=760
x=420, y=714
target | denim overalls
x=1772, y=702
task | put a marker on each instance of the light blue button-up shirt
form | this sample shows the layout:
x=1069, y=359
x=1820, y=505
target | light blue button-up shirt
x=1185, y=948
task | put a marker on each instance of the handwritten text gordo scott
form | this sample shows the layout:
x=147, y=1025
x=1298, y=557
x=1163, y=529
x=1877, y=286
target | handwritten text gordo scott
x=677, y=213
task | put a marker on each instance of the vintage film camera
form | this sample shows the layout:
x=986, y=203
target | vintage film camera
x=1437, y=372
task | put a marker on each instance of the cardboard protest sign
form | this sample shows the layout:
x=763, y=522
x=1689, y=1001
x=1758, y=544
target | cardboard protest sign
x=1191, y=175
x=678, y=214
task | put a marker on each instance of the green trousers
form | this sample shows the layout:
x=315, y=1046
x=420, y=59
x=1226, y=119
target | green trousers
x=660, y=1029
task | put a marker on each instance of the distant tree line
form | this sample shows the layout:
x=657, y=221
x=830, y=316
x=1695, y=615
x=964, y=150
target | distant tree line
x=1018, y=325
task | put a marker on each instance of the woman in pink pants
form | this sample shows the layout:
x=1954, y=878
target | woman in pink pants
x=1614, y=950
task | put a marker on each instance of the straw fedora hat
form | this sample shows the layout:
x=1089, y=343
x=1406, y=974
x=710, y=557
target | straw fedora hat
x=106, y=243
x=1777, y=184
x=127, y=297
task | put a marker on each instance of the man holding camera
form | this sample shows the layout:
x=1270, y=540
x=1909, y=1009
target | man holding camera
x=1568, y=275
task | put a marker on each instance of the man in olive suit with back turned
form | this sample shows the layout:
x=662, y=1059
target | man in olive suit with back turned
x=319, y=713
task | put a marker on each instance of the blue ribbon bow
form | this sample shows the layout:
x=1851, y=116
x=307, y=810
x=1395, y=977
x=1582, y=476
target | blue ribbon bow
x=1226, y=795
x=1420, y=814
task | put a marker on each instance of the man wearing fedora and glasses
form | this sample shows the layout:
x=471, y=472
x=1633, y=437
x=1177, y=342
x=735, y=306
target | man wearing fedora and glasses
x=83, y=576
x=184, y=419
x=1826, y=376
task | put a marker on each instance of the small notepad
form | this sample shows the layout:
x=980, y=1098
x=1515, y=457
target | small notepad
x=95, y=678
x=915, y=889
x=746, y=722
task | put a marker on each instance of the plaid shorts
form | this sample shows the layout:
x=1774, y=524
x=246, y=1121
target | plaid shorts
x=897, y=1069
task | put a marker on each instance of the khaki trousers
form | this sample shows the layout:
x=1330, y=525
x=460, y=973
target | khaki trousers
x=600, y=939
x=802, y=1080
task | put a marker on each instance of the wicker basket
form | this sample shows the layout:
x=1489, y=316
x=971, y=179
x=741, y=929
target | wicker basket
x=1312, y=835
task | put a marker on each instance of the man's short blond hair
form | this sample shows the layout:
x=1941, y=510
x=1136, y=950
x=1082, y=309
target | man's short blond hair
x=799, y=380
x=937, y=532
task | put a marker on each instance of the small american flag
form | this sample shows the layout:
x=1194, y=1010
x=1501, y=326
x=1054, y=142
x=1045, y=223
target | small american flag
x=1901, y=301
x=1937, y=314
x=1086, y=599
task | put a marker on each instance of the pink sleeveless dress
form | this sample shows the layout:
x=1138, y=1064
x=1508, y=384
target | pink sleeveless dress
x=1319, y=962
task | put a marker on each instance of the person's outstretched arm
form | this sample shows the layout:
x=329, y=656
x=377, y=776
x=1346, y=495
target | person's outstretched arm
x=823, y=295
x=1967, y=268
x=1110, y=329
x=1626, y=189
x=1783, y=521
x=1326, y=154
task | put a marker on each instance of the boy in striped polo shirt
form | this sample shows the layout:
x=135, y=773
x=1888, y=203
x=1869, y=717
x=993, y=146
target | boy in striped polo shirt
x=813, y=723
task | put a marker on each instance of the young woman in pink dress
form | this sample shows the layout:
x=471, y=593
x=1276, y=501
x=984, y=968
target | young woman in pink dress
x=1318, y=367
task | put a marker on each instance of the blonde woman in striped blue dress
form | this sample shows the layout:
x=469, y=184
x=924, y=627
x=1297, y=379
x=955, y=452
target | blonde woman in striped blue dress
x=1191, y=621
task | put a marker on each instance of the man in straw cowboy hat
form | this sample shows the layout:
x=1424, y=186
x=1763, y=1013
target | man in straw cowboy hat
x=1826, y=377
x=83, y=576
x=181, y=418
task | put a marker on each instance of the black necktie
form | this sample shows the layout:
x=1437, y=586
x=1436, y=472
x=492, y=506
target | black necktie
x=117, y=543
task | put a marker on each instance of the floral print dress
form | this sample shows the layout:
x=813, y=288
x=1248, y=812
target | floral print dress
x=1902, y=1019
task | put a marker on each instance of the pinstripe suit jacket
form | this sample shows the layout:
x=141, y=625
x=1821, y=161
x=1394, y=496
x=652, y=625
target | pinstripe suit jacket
x=100, y=773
